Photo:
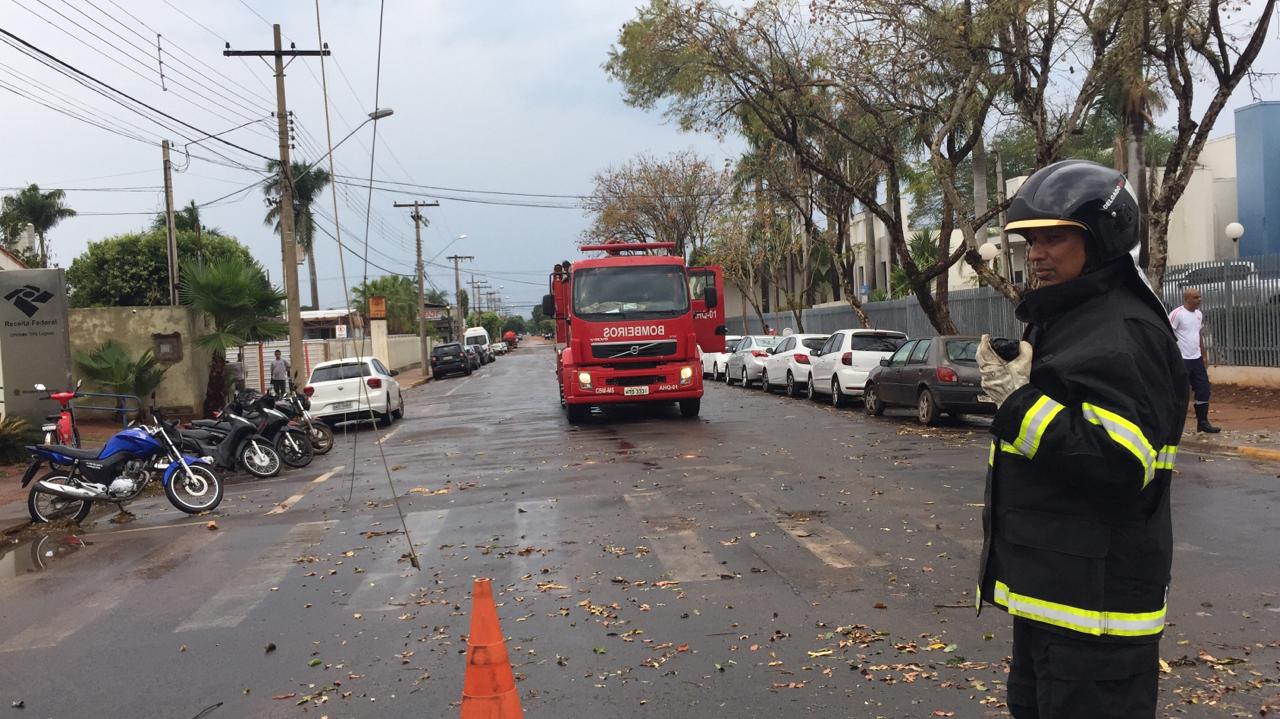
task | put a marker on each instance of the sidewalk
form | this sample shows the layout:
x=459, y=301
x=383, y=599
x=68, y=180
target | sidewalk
x=1250, y=422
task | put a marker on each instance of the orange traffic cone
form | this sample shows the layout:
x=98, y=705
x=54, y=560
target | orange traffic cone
x=489, y=688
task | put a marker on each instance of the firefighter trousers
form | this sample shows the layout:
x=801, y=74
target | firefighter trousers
x=1055, y=676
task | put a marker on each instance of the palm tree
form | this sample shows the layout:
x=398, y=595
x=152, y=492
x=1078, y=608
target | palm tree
x=186, y=218
x=243, y=307
x=308, y=183
x=402, y=298
x=43, y=210
x=110, y=367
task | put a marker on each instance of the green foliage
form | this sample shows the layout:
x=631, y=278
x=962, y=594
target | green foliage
x=923, y=245
x=464, y=301
x=514, y=323
x=186, y=218
x=402, y=301
x=435, y=297
x=111, y=369
x=488, y=320
x=15, y=434
x=132, y=270
x=43, y=210
x=307, y=186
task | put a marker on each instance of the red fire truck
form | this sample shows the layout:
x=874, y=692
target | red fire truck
x=629, y=326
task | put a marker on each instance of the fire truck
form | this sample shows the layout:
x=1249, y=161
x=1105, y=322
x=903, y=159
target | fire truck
x=631, y=326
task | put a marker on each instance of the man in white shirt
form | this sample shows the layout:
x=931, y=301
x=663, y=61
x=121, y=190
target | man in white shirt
x=1188, y=322
x=279, y=375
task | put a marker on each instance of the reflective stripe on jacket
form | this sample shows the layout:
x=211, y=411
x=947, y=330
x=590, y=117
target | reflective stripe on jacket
x=1077, y=529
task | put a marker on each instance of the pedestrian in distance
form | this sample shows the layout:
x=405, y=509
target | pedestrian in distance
x=236, y=371
x=1188, y=326
x=1078, y=539
x=279, y=375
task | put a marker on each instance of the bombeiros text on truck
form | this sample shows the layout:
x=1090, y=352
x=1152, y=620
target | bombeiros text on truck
x=629, y=326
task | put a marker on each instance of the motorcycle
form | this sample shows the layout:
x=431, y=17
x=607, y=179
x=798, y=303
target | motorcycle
x=290, y=441
x=61, y=428
x=298, y=408
x=117, y=473
x=233, y=442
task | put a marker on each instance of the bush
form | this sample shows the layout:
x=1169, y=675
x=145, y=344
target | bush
x=15, y=434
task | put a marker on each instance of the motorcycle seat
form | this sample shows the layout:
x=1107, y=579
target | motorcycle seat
x=206, y=423
x=203, y=434
x=74, y=452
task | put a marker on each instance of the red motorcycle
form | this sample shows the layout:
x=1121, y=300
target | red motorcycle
x=61, y=428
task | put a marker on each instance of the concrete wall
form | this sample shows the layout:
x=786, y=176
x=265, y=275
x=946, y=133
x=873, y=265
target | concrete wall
x=1268, y=377
x=183, y=387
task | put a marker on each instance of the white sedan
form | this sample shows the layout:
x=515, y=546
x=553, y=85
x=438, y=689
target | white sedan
x=788, y=364
x=349, y=389
x=713, y=363
x=841, y=366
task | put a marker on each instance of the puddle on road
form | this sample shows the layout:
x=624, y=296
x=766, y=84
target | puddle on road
x=37, y=554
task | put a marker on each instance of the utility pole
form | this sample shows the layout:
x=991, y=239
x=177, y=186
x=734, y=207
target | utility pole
x=170, y=233
x=289, y=248
x=457, y=292
x=417, y=206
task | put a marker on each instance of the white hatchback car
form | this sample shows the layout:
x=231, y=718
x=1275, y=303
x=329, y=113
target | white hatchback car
x=788, y=364
x=841, y=366
x=347, y=389
x=713, y=363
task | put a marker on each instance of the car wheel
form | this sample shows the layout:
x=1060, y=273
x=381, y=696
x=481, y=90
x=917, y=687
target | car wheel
x=792, y=390
x=745, y=382
x=764, y=380
x=839, y=399
x=927, y=412
x=399, y=413
x=728, y=378
x=809, y=391
x=871, y=401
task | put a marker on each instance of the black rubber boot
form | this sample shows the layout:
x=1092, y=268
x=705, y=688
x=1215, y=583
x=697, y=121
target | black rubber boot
x=1202, y=420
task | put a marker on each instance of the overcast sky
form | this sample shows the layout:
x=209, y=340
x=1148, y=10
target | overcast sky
x=497, y=96
x=508, y=97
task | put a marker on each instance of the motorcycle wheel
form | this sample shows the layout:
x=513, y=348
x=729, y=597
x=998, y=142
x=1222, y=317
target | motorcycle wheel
x=201, y=492
x=261, y=463
x=45, y=507
x=294, y=448
x=321, y=437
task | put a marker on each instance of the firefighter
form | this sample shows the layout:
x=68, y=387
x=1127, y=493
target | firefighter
x=1078, y=541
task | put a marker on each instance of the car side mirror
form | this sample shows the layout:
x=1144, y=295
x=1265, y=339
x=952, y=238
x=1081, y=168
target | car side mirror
x=709, y=297
x=815, y=353
x=549, y=305
x=884, y=361
x=395, y=372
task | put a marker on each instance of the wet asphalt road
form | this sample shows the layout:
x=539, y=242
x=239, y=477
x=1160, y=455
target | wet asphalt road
x=773, y=558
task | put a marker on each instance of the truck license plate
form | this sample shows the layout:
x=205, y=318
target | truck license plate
x=632, y=391
x=343, y=405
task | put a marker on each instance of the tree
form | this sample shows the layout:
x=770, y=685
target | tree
x=490, y=321
x=308, y=183
x=435, y=297
x=650, y=200
x=132, y=270
x=43, y=210
x=241, y=304
x=110, y=368
x=402, y=301
x=513, y=323
x=184, y=218
x=464, y=302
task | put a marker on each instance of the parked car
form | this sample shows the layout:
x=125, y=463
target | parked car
x=933, y=375
x=448, y=359
x=498, y=348
x=1249, y=286
x=841, y=366
x=713, y=362
x=747, y=359
x=473, y=356
x=788, y=364
x=347, y=389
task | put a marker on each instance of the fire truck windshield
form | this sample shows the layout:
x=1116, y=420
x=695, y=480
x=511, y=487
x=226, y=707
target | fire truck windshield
x=630, y=292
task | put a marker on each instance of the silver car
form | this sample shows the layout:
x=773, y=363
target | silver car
x=747, y=359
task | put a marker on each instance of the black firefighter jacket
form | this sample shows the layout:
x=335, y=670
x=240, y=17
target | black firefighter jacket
x=1077, y=528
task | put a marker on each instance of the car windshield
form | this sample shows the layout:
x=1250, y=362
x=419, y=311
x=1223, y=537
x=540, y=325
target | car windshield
x=767, y=341
x=814, y=343
x=876, y=343
x=630, y=292
x=476, y=340
x=333, y=372
x=962, y=350
x=442, y=350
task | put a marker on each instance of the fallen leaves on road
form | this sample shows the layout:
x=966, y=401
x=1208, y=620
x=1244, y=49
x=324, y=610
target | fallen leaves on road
x=211, y=525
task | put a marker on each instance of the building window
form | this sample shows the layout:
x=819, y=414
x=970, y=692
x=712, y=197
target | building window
x=1017, y=277
x=167, y=348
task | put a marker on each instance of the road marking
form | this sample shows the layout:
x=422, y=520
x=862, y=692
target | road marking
x=49, y=631
x=455, y=389
x=246, y=591
x=284, y=506
x=388, y=435
x=379, y=588
x=825, y=542
x=679, y=548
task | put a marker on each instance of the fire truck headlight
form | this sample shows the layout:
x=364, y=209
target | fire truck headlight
x=686, y=375
x=584, y=379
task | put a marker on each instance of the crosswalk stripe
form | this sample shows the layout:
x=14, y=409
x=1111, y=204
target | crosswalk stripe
x=379, y=588
x=827, y=543
x=233, y=603
x=681, y=551
x=52, y=630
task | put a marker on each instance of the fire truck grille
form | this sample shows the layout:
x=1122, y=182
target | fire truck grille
x=638, y=348
x=637, y=381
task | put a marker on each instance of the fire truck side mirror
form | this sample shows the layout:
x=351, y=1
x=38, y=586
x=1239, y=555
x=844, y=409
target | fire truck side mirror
x=709, y=297
x=549, y=305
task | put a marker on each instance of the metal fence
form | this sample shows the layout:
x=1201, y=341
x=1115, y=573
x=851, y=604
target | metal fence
x=1241, y=311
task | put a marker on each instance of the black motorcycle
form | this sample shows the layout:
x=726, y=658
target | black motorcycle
x=289, y=440
x=234, y=443
x=298, y=407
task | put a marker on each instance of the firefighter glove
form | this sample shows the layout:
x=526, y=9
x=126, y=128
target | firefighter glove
x=1000, y=378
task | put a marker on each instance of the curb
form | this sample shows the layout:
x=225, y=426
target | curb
x=418, y=383
x=1259, y=453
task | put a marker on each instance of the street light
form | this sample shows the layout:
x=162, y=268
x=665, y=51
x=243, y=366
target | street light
x=377, y=114
x=989, y=250
x=1235, y=231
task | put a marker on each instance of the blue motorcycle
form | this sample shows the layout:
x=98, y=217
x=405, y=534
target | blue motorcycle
x=117, y=473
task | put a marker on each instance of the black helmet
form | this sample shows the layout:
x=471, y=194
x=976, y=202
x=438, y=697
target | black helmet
x=1081, y=194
